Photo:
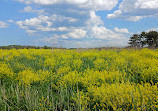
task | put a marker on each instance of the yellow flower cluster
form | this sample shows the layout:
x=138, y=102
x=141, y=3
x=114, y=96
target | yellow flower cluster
x=118, y=79
x=5, y=70
x=124, y=95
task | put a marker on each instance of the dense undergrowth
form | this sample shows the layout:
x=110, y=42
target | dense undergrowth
x=39, y=79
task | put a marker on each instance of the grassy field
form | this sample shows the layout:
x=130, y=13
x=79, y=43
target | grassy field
x=75, y=80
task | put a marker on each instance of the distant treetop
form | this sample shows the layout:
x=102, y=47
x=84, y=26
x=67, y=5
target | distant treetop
x=148, y=39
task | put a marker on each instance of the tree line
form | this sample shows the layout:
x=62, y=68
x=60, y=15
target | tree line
x=148, y=39
x=26, y=47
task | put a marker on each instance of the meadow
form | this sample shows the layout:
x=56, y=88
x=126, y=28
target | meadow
x=78, y=80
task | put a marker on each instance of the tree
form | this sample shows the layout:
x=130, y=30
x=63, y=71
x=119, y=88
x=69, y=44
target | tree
x=145, y=38
x=142, y=38
x=134, y=40
x=152, y=39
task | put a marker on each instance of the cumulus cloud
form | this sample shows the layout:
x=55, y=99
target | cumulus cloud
x=44, y=23
x=74, y=33
x=134, y=18
x=134, y=10
x=87, y=36
x=122, y=30
x=95, y=32
x=147, y=4
x=76, y=24
x=31, y=31
x=30, y=10
x=101, y=32
x=77, y=33
x=3, y=24
x=115, y=14
x=94, y=19
x=78, y=9
x=92, y=4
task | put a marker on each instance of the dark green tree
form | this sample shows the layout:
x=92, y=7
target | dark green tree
x=152, y=38
x=134, y=40
x=142, y=39
x=145, y=38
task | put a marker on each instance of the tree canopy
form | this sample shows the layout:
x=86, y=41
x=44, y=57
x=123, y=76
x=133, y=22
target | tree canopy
x=149, y=39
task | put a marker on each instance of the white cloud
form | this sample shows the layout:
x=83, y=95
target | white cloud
x=81, y=12
x=94, y=19
x=122, y=30
x=134, y=10
x=92, y=4
x=69, y=19
x=44, y=23
x=115, y=14
x=30, y=10
x=95, y=32
x=96, y=36
x=31, y=31
x=104, y=4
x=104, y=33
x=75, y=24
x=134, y=18
x=25, y=1
x=33, y=22
x=3, y=24
x=147, y=4
x=77, y=34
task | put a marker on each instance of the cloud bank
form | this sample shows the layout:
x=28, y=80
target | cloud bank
x=72, y=22
x=134, y=10
x=92, y=4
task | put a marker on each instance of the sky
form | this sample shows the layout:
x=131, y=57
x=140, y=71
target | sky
x=75, y=23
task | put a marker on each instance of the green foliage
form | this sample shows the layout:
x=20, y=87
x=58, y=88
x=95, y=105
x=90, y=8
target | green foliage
x=145, y=38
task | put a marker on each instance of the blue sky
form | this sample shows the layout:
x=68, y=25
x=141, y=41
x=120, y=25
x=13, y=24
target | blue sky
x=75, y=23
